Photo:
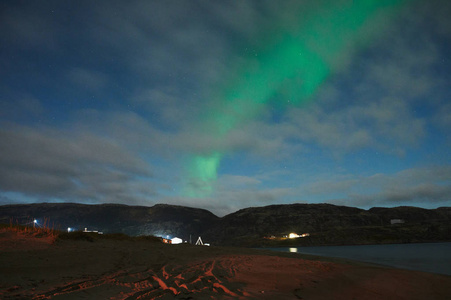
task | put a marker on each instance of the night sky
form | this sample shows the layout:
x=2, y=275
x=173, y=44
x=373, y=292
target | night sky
x=226, y=104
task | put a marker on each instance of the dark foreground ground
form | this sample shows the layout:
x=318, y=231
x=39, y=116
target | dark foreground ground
x=41, y=268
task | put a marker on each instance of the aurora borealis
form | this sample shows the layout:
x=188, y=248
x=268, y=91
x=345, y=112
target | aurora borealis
x=226, y=104
x=309, y=55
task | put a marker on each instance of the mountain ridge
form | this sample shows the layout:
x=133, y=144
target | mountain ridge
x=327, y=224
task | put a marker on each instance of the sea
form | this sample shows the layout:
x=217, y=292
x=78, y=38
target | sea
x=426, y=257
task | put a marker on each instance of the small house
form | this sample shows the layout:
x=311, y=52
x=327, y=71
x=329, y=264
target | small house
x=176, y=240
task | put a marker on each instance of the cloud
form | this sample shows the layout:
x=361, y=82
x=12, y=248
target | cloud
x=385, y=123
x=237, y=199
x=63, y=165
x=228, y=201
x=169, y=110
x=132, y=130
x=403, y=71
x=19, y=105
x=180, y=59
x=172, y=42
x=380, y=99
x=236, y=181
x=443, y=117
x=159, y=70
x=329, y=186
x=426, y=186
x=424, y=193
x=5, y=200
x=29, y=25
x=234, y=192
x=87, y=79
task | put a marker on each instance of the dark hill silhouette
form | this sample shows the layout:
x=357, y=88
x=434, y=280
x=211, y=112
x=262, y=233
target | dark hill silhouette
x=331, y=225
x=327, y=224
x=160, y=219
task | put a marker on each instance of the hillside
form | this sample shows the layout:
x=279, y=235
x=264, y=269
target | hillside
x=331, y=225
x=266, y=226
x=158, y=220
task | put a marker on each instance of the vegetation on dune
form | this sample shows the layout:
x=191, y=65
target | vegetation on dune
x=30, y=229
x=44, y=231
x=93, y=236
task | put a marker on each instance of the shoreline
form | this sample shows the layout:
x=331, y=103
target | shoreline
x=412, y=256
x=114, y=269
x=310, y=245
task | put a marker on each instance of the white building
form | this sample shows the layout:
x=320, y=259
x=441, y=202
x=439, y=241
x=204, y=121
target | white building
x=176, y=240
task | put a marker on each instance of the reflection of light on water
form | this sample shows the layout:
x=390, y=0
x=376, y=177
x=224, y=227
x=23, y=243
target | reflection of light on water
x=293, y=249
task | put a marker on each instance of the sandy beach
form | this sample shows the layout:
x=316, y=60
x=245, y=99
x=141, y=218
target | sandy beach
x=40, y=268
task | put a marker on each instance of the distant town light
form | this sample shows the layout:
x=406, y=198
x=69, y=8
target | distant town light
x=69, y=229
x=35, y=221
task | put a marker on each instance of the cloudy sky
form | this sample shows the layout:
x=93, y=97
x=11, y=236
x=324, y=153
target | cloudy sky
x=226, y=104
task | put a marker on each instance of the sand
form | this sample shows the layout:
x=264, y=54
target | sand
x=39, y=268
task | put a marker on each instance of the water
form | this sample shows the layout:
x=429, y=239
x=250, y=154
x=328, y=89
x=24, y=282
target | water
x=430, y=257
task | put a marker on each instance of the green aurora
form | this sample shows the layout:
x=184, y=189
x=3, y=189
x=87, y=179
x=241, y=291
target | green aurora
x=290, y=68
